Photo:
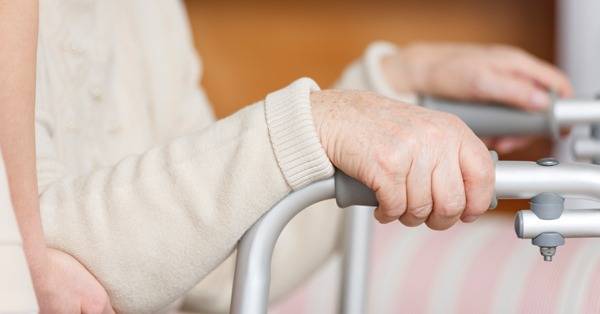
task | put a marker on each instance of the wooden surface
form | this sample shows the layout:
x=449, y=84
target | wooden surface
x=252, y=47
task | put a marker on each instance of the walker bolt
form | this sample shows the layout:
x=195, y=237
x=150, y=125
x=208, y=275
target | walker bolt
x=547, y=252
x=548, y=241
x=547, y=162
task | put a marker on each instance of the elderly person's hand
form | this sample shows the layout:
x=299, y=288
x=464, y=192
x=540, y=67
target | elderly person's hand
x=424, y=165
x=497, y=73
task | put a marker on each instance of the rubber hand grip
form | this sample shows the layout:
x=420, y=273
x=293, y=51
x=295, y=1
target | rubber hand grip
x=492, y=119
x=349, y=192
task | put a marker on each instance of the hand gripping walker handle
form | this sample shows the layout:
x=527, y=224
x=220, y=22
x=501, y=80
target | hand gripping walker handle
x=349, y=191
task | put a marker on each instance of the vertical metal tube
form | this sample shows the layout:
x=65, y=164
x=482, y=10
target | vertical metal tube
x=358, y=226
x=255, y=249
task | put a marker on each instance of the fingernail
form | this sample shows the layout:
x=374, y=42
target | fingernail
x=539, y=99
x=469, y=218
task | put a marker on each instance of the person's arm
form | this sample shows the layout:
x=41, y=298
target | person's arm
x=18, y=35
x=61, y=284
x=152, y=225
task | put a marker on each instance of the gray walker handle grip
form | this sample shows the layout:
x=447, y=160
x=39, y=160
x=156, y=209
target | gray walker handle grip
x=350, y=192
x=490, y=119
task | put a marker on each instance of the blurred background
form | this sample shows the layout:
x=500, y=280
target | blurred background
x=252, y=48
x=255, y=47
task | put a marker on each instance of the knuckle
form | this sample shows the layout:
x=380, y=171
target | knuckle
x=449, y=120
x=452, y=118
x=387, y=216
x=434, y=134
x=451, y=207
x=485, y=171
x=485, y=176
x=385, y=166
x=387, y=160
x=477, y=211
x=410, y=143
x=393, y=213
x=421, y=211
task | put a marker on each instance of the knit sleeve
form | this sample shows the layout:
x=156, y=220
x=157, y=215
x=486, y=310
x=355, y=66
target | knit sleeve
x=366, y=73
x=154, y=224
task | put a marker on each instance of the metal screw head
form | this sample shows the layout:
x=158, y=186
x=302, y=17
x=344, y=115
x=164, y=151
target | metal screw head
x=547, y=162
x=547, y=252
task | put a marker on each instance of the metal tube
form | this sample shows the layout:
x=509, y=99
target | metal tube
x=578, y=223
x=524, y=179
x=355, y=268
x=489, y=119
x=255, y=249
x=587, y=148
x=514, y=180
x=568, y=112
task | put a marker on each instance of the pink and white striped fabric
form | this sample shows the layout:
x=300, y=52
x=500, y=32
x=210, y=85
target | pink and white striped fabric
x=471, y=268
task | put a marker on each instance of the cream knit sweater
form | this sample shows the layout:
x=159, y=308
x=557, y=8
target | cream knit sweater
x=139, y=184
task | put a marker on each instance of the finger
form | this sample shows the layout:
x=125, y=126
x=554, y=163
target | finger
x=418, y=193
x=391, y=196
x=549, y=77
x=512, y=90
x=448, y=194
x=478, y=176
x=543, y=73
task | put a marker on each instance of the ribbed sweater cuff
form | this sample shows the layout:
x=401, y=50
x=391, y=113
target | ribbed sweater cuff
x=293, y=135
x=374, y=72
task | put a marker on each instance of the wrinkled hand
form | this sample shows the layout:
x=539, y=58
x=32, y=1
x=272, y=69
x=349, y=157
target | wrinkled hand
x=69, y=288
x=496, y=73
x=424, y=165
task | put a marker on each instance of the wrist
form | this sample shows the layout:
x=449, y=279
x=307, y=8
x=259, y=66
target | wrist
x=406, y=70
x=324, y=105
x=394, y=69
x=37, y=259
x=330, y=109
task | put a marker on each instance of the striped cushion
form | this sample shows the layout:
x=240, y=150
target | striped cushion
x=471, y=268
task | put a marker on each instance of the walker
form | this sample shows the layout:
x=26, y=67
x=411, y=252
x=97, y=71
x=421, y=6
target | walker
x=545, y=183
